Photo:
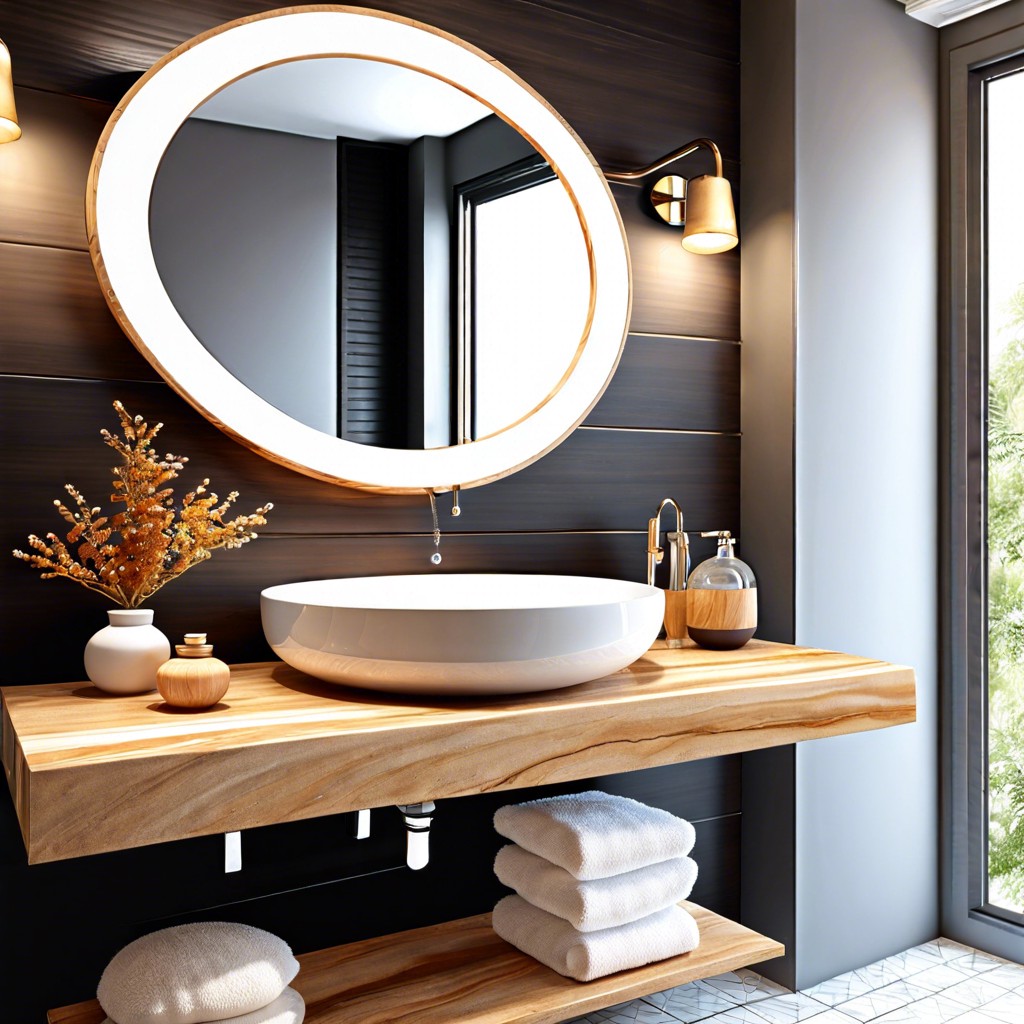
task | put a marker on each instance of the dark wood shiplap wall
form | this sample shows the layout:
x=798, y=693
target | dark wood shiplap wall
x=634, y=80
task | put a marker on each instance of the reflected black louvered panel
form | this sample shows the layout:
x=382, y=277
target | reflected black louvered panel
x=372, y=292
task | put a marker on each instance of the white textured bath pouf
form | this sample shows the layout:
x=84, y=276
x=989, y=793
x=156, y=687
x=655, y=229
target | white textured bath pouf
x=194, y=973
x=287, y=1008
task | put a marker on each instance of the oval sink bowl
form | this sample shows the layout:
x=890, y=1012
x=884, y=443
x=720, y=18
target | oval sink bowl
x=461, y=633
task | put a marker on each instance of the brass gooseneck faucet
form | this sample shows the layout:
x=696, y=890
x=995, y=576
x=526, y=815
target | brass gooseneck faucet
x=679, y=548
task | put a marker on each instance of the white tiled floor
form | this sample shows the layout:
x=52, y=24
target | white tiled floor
x=934, y=983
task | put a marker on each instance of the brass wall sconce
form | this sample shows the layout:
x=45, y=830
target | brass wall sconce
x=9, y=127
x=702, y=206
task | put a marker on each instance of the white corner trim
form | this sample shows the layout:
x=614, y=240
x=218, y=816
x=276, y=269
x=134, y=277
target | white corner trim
x=945, y=12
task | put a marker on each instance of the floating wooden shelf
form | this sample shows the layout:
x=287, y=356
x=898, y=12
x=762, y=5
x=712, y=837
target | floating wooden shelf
x=91, y=772
x=461, y=971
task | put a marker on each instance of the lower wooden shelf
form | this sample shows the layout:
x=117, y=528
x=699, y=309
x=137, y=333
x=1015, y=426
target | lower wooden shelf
x=461, y=971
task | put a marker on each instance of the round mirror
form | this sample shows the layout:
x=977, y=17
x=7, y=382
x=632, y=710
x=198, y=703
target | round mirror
x=362, y=248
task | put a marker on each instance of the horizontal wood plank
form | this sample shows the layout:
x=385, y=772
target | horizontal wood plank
x=675, y=291
x=44, y=175
x=596, y=480
x=55, y=322
x=97, y=49
x=702, y=26
x=461, y=971
x=673, y=383
x=286, y=747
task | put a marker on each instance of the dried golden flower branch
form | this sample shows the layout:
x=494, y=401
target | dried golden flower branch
x=130, y=555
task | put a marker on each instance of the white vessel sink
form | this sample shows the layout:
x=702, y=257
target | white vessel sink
x=461, y=633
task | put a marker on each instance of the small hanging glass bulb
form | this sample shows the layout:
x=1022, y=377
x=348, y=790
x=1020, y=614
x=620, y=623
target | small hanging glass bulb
x=436, y=558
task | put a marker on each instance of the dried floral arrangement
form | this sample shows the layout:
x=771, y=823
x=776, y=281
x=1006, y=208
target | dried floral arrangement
x=130, y=555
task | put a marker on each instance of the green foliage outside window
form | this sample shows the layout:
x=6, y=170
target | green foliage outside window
x=1006, y=615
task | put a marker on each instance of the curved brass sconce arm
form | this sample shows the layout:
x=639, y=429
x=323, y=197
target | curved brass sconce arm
x=669, y=158
x=701, y=205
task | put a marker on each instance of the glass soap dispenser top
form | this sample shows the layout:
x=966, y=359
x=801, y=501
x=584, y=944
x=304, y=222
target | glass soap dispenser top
x=722, y=598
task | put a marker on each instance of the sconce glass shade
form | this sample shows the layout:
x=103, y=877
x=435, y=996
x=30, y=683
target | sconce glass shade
x=710, y=217
x=9, y=127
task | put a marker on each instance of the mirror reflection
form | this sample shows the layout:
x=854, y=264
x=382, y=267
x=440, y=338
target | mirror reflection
x=372, y=251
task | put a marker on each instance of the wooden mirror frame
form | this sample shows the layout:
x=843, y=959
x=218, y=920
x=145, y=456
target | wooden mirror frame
x=117, y=211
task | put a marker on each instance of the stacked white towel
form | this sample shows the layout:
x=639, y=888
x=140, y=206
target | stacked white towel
x=598, y=881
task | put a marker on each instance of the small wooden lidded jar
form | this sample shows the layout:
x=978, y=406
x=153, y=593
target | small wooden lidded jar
x=721, y=604
x=195, y=679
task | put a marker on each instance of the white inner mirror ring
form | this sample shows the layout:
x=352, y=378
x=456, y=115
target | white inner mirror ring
x=121, y=180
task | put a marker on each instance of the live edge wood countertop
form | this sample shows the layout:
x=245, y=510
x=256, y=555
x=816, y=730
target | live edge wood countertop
x=90, y=772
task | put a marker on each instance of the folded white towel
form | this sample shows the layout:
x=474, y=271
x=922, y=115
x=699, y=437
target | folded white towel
x=588, y=955
x=601, y=903
x=287, y=1008
x=594, y=835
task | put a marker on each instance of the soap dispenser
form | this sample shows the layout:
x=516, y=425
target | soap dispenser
x=722, y=599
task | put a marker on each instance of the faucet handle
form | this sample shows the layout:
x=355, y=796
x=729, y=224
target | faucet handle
x=654, y=540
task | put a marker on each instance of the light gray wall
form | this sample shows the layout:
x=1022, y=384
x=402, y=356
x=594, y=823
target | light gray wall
x=251, y=215
x=863, y=130
x=866, y=466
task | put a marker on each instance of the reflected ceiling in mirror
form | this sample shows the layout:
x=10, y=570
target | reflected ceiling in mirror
x=453, y=423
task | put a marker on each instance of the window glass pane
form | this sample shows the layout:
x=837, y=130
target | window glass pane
x=1004, y=275
x=523, y=345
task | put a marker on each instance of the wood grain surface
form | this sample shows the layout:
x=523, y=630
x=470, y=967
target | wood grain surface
x=90, y=772
x=675, y=291
x=702, y=25
x=631, y=94
x=461, y=971
x=598, y=479
x=675, y=614
x=56, y=323
x=722, y=609
x=44, y=175
x=673, y=383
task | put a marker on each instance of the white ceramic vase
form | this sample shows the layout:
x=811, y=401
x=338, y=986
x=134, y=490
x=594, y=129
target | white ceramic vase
x=124, y=656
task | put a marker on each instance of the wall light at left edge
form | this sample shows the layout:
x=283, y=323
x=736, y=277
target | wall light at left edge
x=9, y=127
